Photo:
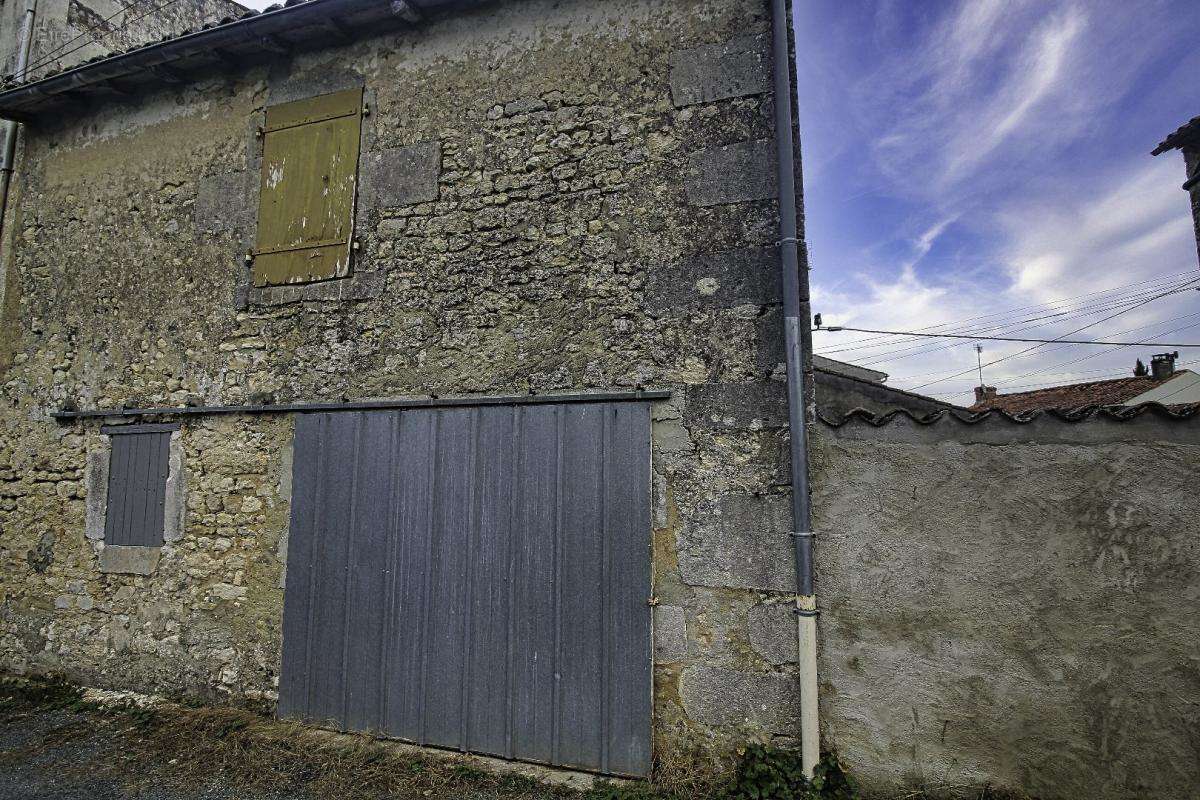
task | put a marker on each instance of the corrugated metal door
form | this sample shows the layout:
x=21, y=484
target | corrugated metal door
x=475, y=578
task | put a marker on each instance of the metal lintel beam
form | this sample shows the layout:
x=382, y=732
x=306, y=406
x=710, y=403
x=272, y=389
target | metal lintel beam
x=370, y=405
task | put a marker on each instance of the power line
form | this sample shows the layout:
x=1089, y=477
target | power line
x=922, y=348
x=1083, y=358
x=1114, y=349
x=836, y=328
x=57, y=54
x=1119, y=292
x=1051, y=304
x=1043, y=344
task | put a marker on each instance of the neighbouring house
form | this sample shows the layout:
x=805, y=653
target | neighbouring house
x=1186, y=139
x=69, y=32
x=417, y=367
x=843, y=387
x=1160, y=383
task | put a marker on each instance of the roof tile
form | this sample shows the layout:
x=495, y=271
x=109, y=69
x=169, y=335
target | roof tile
x=1076, y=395
x=1117, y=413
x=1188, y=130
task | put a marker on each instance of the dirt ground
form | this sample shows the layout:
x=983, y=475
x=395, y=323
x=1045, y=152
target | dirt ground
x=55, y=745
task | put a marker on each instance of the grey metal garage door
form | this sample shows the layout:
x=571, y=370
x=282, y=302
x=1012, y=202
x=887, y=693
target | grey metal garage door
x=475, y=578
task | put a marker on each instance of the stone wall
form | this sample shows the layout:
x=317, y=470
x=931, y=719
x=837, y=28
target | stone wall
x=1012, y=605
x=555, y=196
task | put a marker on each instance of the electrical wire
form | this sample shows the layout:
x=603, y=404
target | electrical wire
x=1010, y=338
x=1051, y=304
x=1041, y=370
x=1149, y=284
x=1043, y=344
x=57, y=54
x=923, y=347
x=1115, y=349
x=916, y=346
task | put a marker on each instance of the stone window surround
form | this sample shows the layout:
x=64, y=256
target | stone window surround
x=356, y=283
x=397, y=176
x=125, y=559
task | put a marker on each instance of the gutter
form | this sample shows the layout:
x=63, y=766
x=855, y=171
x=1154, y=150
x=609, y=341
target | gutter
x=255, y=37
x=9, y=154
x=795, y=315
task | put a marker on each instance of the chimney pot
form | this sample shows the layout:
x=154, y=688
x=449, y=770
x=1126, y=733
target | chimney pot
x=1162, y=366
x=984, y=393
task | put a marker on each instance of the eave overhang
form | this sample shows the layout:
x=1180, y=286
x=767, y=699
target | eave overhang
x=229, y=44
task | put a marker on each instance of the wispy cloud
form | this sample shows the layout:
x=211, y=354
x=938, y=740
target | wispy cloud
x=996, y=136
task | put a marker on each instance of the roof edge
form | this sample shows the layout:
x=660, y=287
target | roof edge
x=254, y=36
x=1173, y=413
x=1180, y=137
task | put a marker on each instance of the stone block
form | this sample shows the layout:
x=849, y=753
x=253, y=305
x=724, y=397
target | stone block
x=175, y=495
x=737, y=68
x=365, y=285
x=402, y=176
x=286, y=86
x=129, y=560
x=524, y=106
x=720, y=697
x=717, y=280
x=670, y=436
x=735, y=173
x=96, y=482
x=221, y=202
x=737, y=406
x=670, y=634
x=739, y=541
x=772, y=628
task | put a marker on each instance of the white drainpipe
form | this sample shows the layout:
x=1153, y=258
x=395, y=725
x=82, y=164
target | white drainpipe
x=795, y=315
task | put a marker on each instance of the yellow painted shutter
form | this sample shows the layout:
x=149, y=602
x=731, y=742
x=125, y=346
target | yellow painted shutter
x=306, y=202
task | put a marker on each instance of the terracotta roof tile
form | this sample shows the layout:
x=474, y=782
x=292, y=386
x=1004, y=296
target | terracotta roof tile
x=1076, y=395
x=1177, y=413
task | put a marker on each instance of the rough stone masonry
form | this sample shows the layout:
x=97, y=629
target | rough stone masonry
x=555, y=196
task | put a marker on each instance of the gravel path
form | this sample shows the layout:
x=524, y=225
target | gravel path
x=70, y=755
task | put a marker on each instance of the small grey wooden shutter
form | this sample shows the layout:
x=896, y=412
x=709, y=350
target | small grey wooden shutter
x=137, y=483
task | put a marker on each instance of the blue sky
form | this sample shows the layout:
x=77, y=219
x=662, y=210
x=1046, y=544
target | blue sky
x=966, y=158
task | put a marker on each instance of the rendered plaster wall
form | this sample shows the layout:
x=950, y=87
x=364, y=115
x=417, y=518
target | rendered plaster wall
x=1012, y=605
x=554, y=196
